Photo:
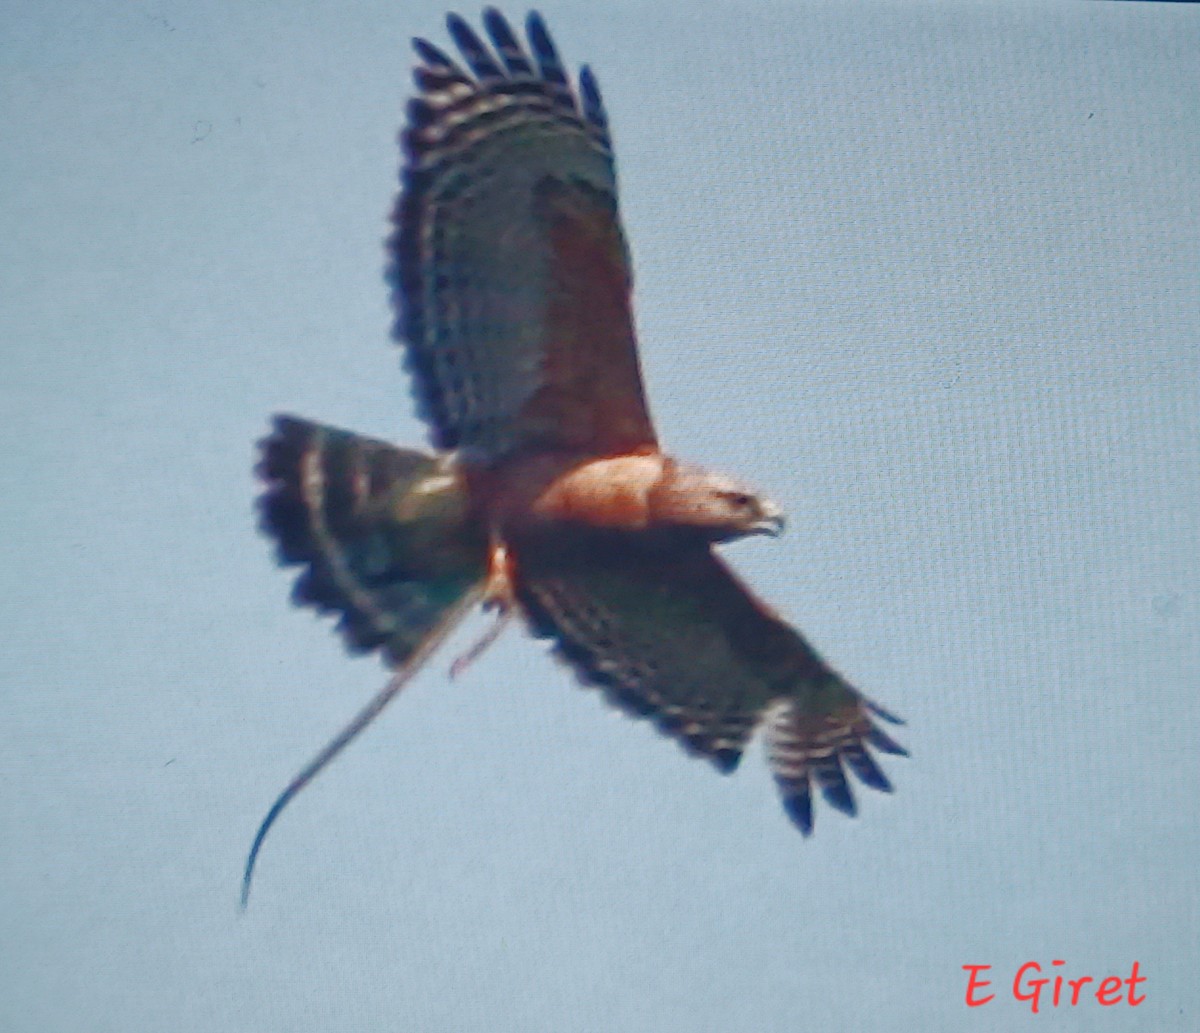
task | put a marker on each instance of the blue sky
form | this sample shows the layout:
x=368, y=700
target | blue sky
x=926, y=274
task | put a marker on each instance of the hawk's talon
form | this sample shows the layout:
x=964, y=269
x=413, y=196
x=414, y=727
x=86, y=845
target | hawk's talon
x=497, y=595
x=497, y=589
x=464, y=661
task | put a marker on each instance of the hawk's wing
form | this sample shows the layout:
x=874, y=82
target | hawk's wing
x=510, y=271
x=668, y=632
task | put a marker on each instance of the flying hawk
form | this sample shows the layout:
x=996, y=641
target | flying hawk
x=547, y=494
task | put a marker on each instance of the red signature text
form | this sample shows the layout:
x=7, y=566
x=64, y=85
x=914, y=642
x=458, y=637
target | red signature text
x=1031, y=987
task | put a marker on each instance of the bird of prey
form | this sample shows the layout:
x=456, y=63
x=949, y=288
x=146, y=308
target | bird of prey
x=547, y=494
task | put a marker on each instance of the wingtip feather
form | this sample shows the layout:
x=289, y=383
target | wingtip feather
x=798, y=805
x=805, y=746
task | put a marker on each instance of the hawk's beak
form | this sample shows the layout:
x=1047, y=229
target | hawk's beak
x=771, y=520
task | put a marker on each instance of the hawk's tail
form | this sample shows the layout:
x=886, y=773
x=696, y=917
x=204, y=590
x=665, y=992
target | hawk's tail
x=384, y=535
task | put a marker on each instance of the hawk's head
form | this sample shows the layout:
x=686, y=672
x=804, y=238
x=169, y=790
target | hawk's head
x=724, y=509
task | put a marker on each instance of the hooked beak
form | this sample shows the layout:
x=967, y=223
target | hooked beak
x=771, y=520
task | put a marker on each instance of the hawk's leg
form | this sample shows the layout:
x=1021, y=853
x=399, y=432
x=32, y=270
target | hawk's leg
x=497, y=595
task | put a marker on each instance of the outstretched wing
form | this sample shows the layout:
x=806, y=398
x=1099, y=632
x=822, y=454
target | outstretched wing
x=661, y=624
x=510, y=272
x=384, y=534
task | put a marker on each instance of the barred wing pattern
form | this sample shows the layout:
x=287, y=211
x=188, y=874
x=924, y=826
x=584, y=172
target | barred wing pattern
x=510, y=272
x=668, y=632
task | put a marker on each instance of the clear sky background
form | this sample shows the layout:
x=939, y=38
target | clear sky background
x=930, y=276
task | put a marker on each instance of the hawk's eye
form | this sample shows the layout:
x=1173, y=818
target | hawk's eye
x=741, y=501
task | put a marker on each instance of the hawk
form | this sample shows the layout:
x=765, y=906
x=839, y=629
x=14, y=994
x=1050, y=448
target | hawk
x=547, y=494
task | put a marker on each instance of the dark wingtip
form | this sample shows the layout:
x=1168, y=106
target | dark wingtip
x=836, y=791
x=477, y=55
x=495, y=22
x=590, y=88
x=882, y=712
x=883, y=742
x=798, y=805
x=463, y=35
x=887, y=715
x=433, y=56
x=535, y=29
x=726, y=760
x=869, y=773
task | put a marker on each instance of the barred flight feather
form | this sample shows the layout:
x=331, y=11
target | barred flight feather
x=471, y=259
x=805, y=748
x=668, y=633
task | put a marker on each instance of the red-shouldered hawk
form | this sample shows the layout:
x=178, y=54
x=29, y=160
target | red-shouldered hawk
x=548, y=495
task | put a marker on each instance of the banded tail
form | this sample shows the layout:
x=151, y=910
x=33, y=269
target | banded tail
x=385, y=535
